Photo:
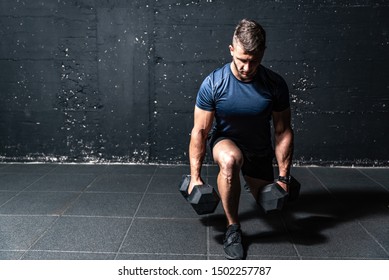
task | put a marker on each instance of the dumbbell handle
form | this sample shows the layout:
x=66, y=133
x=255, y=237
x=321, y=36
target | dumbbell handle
x=184, y=187
x=185, y=183
x=203, y=198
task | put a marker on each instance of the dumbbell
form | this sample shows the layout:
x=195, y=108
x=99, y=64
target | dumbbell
x=203, y=198
x=294, y=189
x=273, y=197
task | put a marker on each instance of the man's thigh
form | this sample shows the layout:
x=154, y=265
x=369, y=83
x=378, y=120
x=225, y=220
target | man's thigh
x=258, y=169
x=224, y=150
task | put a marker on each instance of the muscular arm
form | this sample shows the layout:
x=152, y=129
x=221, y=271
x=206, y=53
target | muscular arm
x=283, y=134
x=202, y=125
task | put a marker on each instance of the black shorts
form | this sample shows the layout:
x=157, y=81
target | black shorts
x=254, y=165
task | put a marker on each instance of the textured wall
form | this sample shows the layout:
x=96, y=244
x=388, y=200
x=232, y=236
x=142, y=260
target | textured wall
x=116, y=80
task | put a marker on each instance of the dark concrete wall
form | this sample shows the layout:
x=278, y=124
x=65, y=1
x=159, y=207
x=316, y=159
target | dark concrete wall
x=116, y=80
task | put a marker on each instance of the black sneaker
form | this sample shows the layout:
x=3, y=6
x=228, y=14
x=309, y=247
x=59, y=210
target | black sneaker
x=232, y=243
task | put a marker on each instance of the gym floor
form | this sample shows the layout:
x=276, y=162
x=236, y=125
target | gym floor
x=76, y=211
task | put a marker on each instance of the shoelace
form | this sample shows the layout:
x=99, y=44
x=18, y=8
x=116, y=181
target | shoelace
x=233, y=237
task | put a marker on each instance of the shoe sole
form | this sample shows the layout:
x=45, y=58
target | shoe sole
x=232, y=258
x=228, y=257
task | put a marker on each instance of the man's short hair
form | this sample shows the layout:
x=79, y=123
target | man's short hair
x=251, y=35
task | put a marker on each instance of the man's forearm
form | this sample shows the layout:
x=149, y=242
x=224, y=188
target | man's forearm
x=197, y=149
x=284, y=151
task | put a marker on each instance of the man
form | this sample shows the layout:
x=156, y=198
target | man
x=242, y=97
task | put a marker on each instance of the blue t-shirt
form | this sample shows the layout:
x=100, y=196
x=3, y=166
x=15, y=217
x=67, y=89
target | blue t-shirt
x=243, y=110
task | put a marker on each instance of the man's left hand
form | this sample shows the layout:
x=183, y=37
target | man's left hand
x=283, y=185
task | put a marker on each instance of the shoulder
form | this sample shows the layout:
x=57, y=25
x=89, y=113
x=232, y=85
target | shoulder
x=272, y=80
x=211, y=88
x=218, y=75
x=270, y=75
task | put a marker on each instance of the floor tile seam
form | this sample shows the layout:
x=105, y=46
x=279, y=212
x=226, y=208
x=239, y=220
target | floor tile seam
x=20, y=191
x=96, y=216
x=76, y=173
x=290, y=235
x=130, y=166
x=372, y=179
x=129, y=173
x=54, y=168
x=161, y=254
x=264, y=256
x=136, y=211
x=70, y=251
x=49, y=191
x=69, y=204
x=12, y=250
x=77, y=191
x=10, y=199
x=111, y=192
x=9, y=165
x=176, y=175
x=29, y=185
x=216, y=255
x=126, y=176
x=166, y=218
x=39, y=237
x=208, y=239
x=65, y=208
x=24, y=173
x=64, y=172
x=100, y=216
x=29, y=215
x=165, y=193
x=373, y=237
x=309, y=257
x=27, y=173
x=267, y=256
x=319, y=180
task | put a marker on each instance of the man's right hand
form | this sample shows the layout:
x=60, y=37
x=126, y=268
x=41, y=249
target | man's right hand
x=194, y=182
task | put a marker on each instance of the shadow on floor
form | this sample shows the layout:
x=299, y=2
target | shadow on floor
x=304, y=221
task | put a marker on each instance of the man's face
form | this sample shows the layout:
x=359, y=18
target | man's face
x=244, y=65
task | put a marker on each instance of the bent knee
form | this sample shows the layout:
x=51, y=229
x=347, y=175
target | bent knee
x=230, y=162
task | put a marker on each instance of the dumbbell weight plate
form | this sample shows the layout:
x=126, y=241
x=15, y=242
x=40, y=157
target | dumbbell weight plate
x=203, y=199
x=272, y=197
x=294, y=189
x=184, y=185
